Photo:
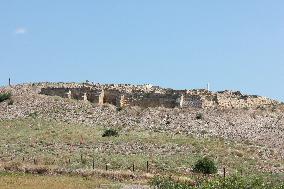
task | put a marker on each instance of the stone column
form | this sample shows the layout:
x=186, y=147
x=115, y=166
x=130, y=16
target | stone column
x=101, y=97
x=181, y=101
x=85, y=98
x=122, y=101
x=69, y=94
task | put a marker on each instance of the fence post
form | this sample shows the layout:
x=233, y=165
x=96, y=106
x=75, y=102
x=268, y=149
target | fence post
x=106, y=167
x=224, y=172
x=133, y=167
x=93, y=163
x=147, y=166
x=23, y=159
x=35, y=161
x=9, y=81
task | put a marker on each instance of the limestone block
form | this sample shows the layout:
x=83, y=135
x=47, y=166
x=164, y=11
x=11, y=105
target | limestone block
x=69, y=94
x=101, y=97
x=85, y=98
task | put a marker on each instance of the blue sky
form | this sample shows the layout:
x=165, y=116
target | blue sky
x=184, y=44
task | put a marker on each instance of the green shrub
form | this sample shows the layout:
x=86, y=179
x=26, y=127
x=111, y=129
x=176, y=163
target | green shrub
x=168, y=183
x=231, y=182
x=205, y=166
x=239, y=182
x=110, y=132
x=5, y=96
x=199, y=116
x=33, y=114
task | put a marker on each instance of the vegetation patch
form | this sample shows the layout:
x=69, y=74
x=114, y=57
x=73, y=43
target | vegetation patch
x=110, y=133
x=5, y=96
x=231, y=182
x=205, y=166
x=199, y=116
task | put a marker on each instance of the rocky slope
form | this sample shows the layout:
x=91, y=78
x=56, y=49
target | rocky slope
x=262, y=127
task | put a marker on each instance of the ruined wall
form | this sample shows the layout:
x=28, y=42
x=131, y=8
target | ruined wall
x=73, y=93
x=126, y=95
x=192, y=101
x=152, y=100
x=229, y=99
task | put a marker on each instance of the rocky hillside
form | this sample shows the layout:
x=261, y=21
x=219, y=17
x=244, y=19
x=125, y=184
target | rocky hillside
x=260, y=126
x=260, y=130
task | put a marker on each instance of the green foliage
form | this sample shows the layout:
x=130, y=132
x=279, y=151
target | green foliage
x=33, y=114
x=199, y=116
x=232, y=182
x=110, y=132
x=205, y=166
x=237, y=182
x=168, y=183
x=5, y=96
x=118, y=109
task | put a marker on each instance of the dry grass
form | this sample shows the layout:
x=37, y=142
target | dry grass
x=26, y=181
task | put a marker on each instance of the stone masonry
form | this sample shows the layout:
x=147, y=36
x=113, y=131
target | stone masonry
x=122, y=95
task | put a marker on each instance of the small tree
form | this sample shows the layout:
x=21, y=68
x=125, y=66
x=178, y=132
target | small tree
x=205, y=166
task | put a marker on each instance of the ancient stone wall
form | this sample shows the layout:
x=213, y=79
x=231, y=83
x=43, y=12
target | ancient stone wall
x=152, y=100
x=127, y=95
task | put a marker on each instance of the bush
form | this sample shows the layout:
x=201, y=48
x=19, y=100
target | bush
x=231, y=182
x=239, y=182
x=110, y=132
x=5, y=96
x=205, y=166
x=118, y=109
x=199, y=116
x=169, y=183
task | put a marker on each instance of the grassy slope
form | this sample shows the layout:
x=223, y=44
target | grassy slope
x=55, y=143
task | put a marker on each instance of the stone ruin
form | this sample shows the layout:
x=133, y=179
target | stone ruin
x=122, y=95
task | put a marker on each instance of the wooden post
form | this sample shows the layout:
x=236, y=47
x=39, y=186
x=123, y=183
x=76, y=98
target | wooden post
x=34, y=161
x=133, y=167
x=23, y=159
x=147, y=166
x=93, y=163
x=224, y=172
x=69, y=160
x=106, y=167
x=9, y=82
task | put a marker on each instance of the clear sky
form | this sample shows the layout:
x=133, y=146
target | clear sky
x=183, y=44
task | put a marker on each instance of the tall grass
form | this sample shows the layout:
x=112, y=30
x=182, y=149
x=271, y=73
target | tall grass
x=231, y=182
